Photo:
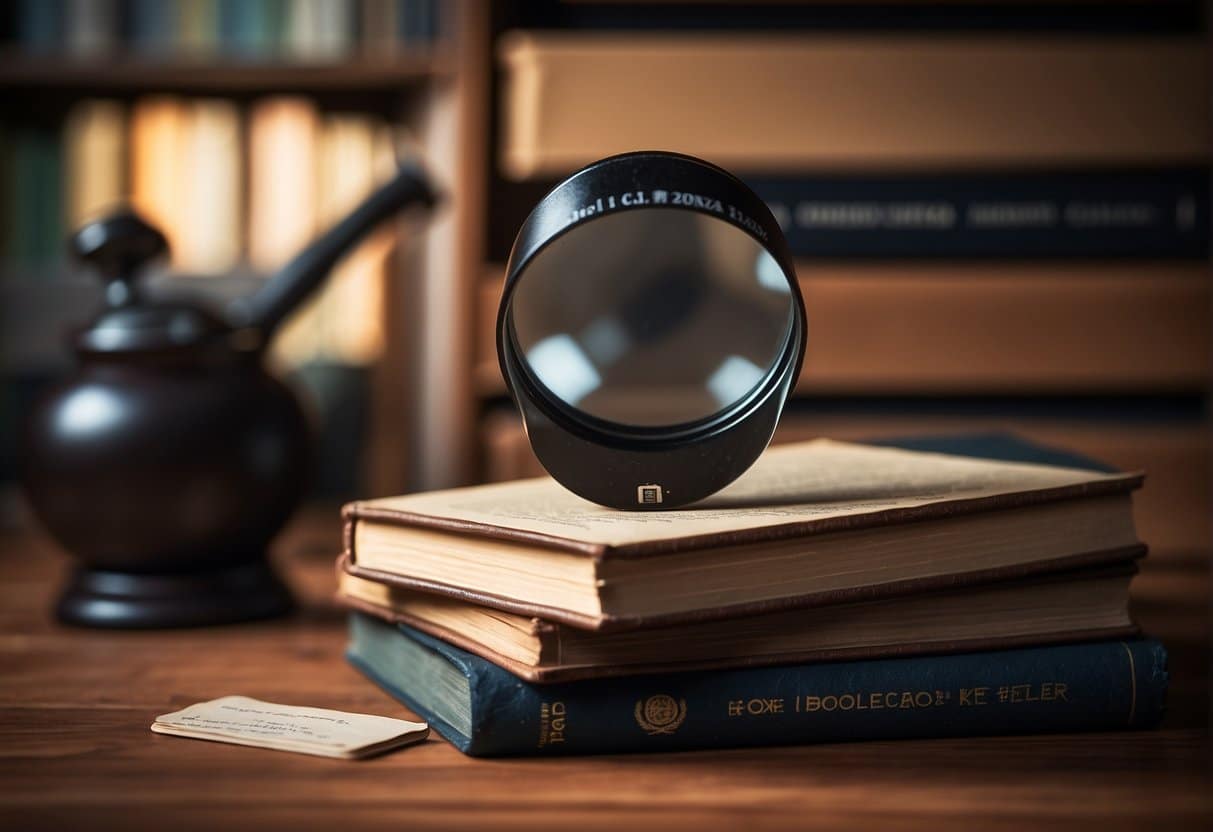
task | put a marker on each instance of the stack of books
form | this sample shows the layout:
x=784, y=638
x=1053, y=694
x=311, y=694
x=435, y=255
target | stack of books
x=835, y=592
x=880, y=144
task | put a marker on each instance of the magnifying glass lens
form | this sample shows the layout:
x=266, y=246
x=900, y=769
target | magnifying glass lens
x=653, y=317
x=650, y=329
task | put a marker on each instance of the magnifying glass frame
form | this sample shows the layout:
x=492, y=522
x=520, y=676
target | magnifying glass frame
x=638, y=467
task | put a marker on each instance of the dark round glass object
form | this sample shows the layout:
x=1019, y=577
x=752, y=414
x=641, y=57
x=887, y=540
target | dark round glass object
x=650, y=329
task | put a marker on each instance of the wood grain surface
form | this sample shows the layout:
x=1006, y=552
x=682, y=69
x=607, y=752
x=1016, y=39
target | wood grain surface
x=76, y=752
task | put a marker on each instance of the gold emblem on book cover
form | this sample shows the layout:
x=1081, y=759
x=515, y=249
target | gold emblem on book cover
x=660, y=714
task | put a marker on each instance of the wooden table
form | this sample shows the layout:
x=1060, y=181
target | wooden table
x=76, y=752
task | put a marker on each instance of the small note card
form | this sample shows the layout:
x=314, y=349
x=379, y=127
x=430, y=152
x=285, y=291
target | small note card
x=244, y=721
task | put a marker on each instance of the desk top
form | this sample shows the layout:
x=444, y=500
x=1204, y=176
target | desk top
x=76, y=752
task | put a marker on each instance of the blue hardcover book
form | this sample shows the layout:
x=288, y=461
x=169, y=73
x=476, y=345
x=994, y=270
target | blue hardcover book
x=251, y=28
x=40, y=25
x=1155, y=213
x=485, y=711
x=153, y=27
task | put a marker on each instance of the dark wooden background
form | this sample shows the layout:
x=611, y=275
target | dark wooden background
x=76, y=752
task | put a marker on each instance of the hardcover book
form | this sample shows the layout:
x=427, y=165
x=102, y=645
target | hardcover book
x=1074, y=606
x=837, y=102
x=485, y=711
x=995, y=328
x=811, y=524
x=1125, y=213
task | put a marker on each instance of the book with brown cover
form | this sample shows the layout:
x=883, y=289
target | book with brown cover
x=994, y=328
x=779, y=103
x=1071, y=606
x=158, y=129
x=813, y=523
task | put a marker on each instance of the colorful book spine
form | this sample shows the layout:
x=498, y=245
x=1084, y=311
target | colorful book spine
x=1160, y=213
x=1084, y=687
x=91, y=27
x=40, y=25
x=152, y=27
x=34, y=235
x=250, y=28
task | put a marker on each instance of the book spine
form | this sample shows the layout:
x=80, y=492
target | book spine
x=153, y=27
x=1072, y=688
x=40, y=26
x=912, y=102
x=1161, y=213
x=91, y=27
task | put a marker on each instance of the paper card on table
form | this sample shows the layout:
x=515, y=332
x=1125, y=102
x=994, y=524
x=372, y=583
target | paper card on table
x=244, y=721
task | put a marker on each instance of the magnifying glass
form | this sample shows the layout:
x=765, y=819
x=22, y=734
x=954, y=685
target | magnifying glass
x=650, y=329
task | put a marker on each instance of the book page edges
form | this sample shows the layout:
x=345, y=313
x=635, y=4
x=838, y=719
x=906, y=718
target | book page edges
x=557, y=672
x=607, y=622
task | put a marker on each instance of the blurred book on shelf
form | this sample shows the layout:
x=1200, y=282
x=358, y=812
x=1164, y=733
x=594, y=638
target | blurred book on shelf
x=933, y=327
x=759, y=103
x=1100, y=213
x=890, y=145
x=283, y=134
x=157, y=165
x=91, y=27
x=32, y=160
x=344, y=322
x=210, y=241
x=95, y=158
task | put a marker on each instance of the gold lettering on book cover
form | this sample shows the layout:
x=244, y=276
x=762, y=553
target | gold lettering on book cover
x=660, y=714
x=553, y=717
x=901, y=700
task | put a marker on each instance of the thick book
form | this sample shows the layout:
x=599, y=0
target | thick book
x=159, y=127
x=282, y=160
x=1086, y=605
x=942, y=216
x=95, y=162
x=1123, y=213
x=775, y=103
x=210, y=237
x=811, y=523
x=34, y=228
x=485, y=711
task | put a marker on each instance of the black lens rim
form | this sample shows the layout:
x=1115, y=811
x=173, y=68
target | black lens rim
x=716, y=193
x=676, y=431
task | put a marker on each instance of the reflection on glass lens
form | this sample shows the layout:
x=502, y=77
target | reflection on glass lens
x=652, y=317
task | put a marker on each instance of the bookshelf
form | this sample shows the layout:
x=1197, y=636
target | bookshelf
x=419, y=89
x=80, y=76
